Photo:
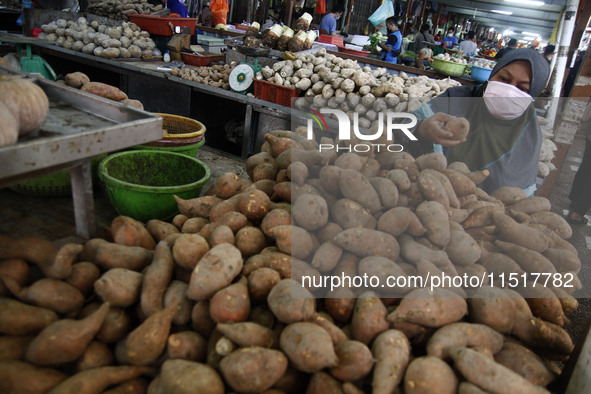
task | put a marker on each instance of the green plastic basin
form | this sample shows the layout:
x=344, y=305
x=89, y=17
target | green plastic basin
x=141, y=183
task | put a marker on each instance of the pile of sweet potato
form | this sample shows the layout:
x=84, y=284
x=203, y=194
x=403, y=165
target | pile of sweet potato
x=212, y=302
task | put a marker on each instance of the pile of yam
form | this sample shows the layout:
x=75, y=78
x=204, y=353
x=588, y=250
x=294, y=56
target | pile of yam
x=120, y=9
x=214, y=301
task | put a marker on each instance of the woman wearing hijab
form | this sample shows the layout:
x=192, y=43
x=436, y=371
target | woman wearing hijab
x=505, y=136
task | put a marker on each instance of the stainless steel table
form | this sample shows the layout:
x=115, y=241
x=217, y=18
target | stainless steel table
x=78, y=127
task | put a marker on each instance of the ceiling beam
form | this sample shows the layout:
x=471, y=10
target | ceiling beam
x=547, y=12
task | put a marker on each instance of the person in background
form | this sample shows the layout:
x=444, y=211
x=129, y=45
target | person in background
x=512, y=44
x=328, y=24
x=423, y=37
x=549, y=52
x=580, y=192
x=177, y=7
x=504, y=136
x=392, y=47
x=422, y=58
x=206, y=15
x=468, y=46
x=437, y=36
x=450, y=40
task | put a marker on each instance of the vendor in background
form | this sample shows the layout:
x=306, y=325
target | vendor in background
x=206, y=15
x=468, y=46
x=423, y=37
x=450, y=40
x=328, y=24
x=177, y=7
x=504, y=135
x=512, y=44
x=437, y=36
x=392, y=47
x=423, y=58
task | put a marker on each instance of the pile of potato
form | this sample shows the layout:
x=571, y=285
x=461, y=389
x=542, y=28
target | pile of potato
x=212, y=302
x=119, y=9
x=81, y=81
x=216, y=75
x=124, y=41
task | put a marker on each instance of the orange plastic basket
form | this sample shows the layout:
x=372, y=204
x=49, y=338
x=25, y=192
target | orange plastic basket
x=328, y=39
x=274, y=93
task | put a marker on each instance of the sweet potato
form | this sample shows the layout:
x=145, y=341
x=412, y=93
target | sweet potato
x=324, y=320
x=13, y=347
x=185, y=377
x=293, y=240
x=256, y=159
x=200, y=320
x=17, y=269
x=134, y=386
x=366, y=242
x=356, y=187
x=297, y=172
x=17, y=318
x=96, y=380
x=83, y=276
x=326, y=257
x=462, y=249
x=222, y=234
x=349, y=214
x=96, y=355
x=554, y=222
x=197, y=207
x=529, y=260
x=369, y=317
x=193, y=225
x=509, y=195
x=429, y=308
x=265, y=171
x=260, y=283
x=518, y=233
x=413, y=252
x=526, y=363
x=290, y=302
x=188, y=249
x=216, y=269
x=463, y=334
x=321, y=382
x=187, y=345
x=120, y=287
x=65, y=340
x=433, y=215
x=531, y=205
x=76, y=79
x=157, y=277
x=391, y=351
x=478, y=176
x=35, y=250
x=538, y=333
x=253, y=369
x=492, y=306
x=66, y=256
x=422, y=372
x=104, y=90
x=459, y=127
x=109, y=255
x=382, y=268
x=175, y=293
x=234, y=220
x=134, y=349
x=247, y=334
x=308, y=347
x=230, y=304
x=254, y=204
x=543, y=302
x=490, y=375
x=432, y=189
x=22, y=377
x=227, y=185
x=310, y=212
x=340, y=304
x=250, y=240
x=279, y=262
x=461, y=183
x=117, y=323
x=355, y=361
x=160, y=230
x=130, y=232
x=48, y=293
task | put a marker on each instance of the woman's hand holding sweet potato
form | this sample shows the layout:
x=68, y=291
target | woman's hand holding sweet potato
x=432, y=129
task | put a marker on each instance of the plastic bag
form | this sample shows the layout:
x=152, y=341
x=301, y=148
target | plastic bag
x=378, y=18
x=219, y=11
x=321, y=7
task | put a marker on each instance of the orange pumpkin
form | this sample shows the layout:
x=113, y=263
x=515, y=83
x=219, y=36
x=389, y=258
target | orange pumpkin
x=8, y=126
x=27, y=102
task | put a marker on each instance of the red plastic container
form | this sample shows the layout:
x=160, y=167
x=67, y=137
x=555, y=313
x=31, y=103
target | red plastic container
x=158, y=24
x=203, y=60
x=274, y=93
x=240, y=26
x=353, y=51
x=328, y=39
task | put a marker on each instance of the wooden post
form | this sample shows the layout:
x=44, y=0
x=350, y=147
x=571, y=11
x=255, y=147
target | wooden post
x=289, y=12
x=422, y=15
x=407, y=8
x=348, y=15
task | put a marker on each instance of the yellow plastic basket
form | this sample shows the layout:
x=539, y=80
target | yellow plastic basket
x=174, y=126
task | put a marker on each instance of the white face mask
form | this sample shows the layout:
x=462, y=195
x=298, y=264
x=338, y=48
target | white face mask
x=506, y=101
x=449, y=34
